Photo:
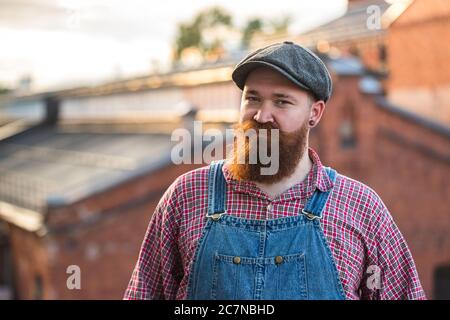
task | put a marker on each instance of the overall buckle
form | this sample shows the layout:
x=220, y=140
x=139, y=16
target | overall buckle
x=310, y=216
x=215, y=216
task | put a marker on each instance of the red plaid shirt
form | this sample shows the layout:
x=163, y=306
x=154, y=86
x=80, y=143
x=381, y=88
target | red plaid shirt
x=357, y=225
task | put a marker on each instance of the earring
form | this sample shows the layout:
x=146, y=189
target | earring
x=311, y=122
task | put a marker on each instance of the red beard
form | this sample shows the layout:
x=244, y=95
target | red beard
x=290, y=151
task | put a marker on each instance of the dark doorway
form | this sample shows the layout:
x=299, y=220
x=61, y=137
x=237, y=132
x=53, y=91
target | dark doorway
x=442, y=283
x=6, y=270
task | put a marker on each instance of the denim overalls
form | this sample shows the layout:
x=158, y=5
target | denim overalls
x=285, y=258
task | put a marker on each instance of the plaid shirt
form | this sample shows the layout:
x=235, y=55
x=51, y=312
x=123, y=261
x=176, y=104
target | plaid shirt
x=357, y=225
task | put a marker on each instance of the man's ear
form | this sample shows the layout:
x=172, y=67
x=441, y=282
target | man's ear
x=316, y=112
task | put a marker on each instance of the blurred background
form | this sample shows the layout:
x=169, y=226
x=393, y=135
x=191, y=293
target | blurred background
x=91, y=91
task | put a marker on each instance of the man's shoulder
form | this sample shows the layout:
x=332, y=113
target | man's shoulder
x=359, y=196
x=353, y=186
x=185, y=188
x=195, y=178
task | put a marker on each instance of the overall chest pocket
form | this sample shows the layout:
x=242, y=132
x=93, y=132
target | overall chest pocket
x=273, y=278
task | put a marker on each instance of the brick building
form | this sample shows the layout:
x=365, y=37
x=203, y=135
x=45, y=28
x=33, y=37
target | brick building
x=77, y=198
x=79, y=192
x=409, y=46
x=405, y=158
x=349, y=34
x=419, y=52
x=80, y=188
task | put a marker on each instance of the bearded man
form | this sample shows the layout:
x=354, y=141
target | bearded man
x=229, y=230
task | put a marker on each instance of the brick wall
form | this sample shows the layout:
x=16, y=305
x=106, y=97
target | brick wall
x=102, y=235
x=418, y=55
x=406, y=163
x=369, y=50
x=403, y=161
x=29, y=257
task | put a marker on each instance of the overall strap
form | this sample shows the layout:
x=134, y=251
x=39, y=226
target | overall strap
x=216, y=190
x=314, y=206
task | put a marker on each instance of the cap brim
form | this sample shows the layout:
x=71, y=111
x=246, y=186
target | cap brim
x=241, y=73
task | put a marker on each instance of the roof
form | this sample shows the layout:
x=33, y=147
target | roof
x=14, y=126
x=346, y=66
x=352, y=25
x=48, y=166
x=385, y=104
x=177, y=77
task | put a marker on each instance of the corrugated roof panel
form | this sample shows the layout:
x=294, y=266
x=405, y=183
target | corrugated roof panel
x=47, y=163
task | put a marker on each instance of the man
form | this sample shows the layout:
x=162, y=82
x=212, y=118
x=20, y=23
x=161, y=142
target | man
x=227, y=231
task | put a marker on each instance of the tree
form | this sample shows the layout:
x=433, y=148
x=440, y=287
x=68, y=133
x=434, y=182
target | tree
x=189, y=35
x=257, y=25
x=280, y=25
x=206, y=36
x=192, y=34
x=253, y=25
x=3, y=89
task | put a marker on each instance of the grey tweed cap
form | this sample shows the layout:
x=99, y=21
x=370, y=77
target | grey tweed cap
x=298, y=64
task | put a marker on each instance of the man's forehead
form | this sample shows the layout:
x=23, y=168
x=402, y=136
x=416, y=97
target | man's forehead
x=275, y=92
x=264, y=77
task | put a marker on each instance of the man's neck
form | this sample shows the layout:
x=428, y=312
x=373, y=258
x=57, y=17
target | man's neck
x=273, y=190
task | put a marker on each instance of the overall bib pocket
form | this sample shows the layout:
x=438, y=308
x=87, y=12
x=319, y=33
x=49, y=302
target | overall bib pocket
x=236, y=277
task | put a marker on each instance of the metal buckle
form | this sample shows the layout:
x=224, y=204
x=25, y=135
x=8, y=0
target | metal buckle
x=310, y=216
x=215, y=216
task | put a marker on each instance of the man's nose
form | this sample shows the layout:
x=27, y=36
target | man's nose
x=264, y=114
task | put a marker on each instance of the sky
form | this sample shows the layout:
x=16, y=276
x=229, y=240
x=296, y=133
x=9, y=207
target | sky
x=64, y=43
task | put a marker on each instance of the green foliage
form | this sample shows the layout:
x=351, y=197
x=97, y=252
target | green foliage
x=212, y=17
x=280, y=25
x=253, y=25
x=192, y=34
x=3, y=90
x=188, y=36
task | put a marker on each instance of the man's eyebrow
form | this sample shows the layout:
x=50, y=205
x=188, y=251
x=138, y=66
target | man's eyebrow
x=252, y=92
x=282, y=95
x=278, y=95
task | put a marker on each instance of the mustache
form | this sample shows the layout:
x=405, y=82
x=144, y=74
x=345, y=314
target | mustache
x=255, y=125
x=285, y=138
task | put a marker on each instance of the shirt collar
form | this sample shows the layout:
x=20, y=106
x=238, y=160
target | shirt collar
x=316, y=178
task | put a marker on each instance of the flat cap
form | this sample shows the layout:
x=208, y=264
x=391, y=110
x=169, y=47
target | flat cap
x=298, y=64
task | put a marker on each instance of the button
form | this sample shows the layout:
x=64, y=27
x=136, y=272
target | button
x=237, y=260
x=269, y=207
x=278, y=259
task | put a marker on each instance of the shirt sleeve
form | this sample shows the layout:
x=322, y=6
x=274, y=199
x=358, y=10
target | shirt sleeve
x=392, y=274
x=158, y=270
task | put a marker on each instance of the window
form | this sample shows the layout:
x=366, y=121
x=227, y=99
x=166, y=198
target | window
x=38, y=288
x=382, y=54
x=6, y=269
x=442, y=283
x=347, y=129
x=347, y=134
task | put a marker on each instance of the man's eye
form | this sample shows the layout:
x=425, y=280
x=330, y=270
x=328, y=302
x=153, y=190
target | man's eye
x=282, y=102
x=252, y=99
